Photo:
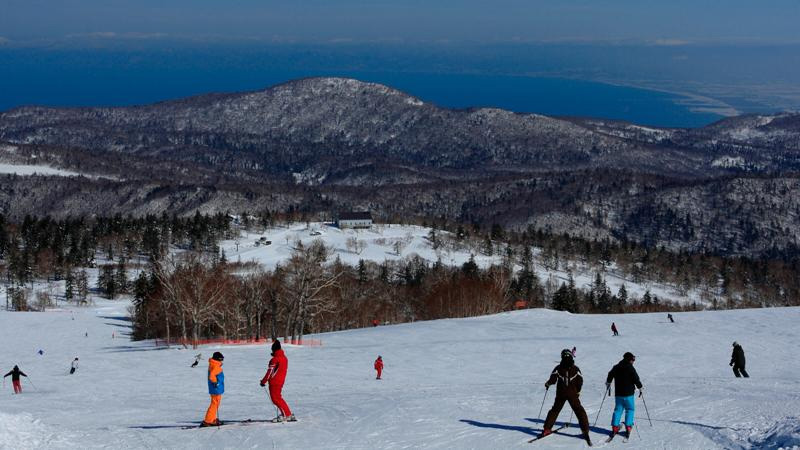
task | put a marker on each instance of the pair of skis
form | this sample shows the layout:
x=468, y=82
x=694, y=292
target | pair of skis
x=556, y=431
x=232, y=423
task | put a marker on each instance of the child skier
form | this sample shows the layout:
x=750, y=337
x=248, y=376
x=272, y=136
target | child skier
x=15, y=374
x=379, y=367
x=568, y=380
x=737, y=361
x=216, y=387
x=614, y=329
x=275, y=376
x=74, y=366
x=626, y=380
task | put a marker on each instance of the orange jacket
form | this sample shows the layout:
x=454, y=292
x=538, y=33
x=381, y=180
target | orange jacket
x=216, y=378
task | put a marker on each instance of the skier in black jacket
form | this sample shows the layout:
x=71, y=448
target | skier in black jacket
x=626, y=380
x=568, y=380
x=15, y=374
x=737, y=361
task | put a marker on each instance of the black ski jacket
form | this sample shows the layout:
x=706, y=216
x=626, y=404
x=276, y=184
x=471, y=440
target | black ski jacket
x=15, y=373
x=626, y=380
x=567, y=378
x=737, y=357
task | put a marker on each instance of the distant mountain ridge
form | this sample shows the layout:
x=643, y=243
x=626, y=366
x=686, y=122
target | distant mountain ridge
x=320, y=143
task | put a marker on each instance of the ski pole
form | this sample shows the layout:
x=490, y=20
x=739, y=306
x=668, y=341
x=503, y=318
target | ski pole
x=645, y=408
x=31, y=382
x=636, y=426
x=605, y=392
x=540, y=408
x=570, y=419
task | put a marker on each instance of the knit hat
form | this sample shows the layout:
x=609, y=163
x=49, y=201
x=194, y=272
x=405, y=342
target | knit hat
x=276, y=346
x=566, y=353
x=217, y=356
x=628, y=356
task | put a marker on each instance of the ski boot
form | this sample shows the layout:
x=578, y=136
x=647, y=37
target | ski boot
x=614, y=431
x=587, y=439
x=546, y=432
x=628, y=431
x=291, y=418
x=215, y=423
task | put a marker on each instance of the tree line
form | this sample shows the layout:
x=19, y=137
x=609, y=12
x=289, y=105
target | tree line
x=186, y=288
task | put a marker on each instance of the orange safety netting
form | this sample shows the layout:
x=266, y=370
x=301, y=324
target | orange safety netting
x=222, y=341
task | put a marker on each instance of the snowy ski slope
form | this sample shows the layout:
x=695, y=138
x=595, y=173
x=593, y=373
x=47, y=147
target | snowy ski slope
x=467, y=383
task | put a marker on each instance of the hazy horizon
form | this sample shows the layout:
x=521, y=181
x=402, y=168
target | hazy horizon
x=667, y=23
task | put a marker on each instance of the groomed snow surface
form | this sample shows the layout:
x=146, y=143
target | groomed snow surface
x=466, y=383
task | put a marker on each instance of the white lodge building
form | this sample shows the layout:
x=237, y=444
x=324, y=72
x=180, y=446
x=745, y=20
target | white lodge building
x=354, y=220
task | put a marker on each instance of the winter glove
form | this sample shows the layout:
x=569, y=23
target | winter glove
x=641, y=391
x=608, y=387
x=262, y=384
x=731, y=364
x=546, y=385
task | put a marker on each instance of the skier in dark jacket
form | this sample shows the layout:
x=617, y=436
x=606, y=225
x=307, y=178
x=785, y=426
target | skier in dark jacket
x=671, y=319
x=626, y=380
x=737, y=361
x=568, y=380
x=15, y=374
x=614, y=329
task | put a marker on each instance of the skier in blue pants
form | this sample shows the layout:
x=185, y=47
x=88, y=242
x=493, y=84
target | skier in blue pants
x=626, y=380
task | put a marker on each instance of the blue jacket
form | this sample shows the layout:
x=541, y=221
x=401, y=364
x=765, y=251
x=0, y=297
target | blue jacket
x=216, y=378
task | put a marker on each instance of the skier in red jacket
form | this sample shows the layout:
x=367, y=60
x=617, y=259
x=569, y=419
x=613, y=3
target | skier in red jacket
x=379, y=367
x=275, y=376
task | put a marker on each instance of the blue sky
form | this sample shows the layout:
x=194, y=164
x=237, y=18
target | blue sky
x=667, y=21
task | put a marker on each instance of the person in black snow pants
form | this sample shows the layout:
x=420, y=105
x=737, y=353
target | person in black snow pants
x=671, y=320
x=15, y=374
x=568, y=380
x=737, y=361
x=74, y=366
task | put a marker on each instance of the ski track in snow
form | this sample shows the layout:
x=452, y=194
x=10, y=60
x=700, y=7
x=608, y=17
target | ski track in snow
x=456, y=383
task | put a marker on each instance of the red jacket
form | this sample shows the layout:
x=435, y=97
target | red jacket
x=378, y=364
x=276, y=372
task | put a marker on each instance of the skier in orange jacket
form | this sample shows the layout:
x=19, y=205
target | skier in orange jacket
x=216, y=387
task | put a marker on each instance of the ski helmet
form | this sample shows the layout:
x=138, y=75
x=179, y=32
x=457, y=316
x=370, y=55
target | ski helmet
x=628, y=356
x=276, y=345
x=735, y=343
x=217, y=356
x=566, y=353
